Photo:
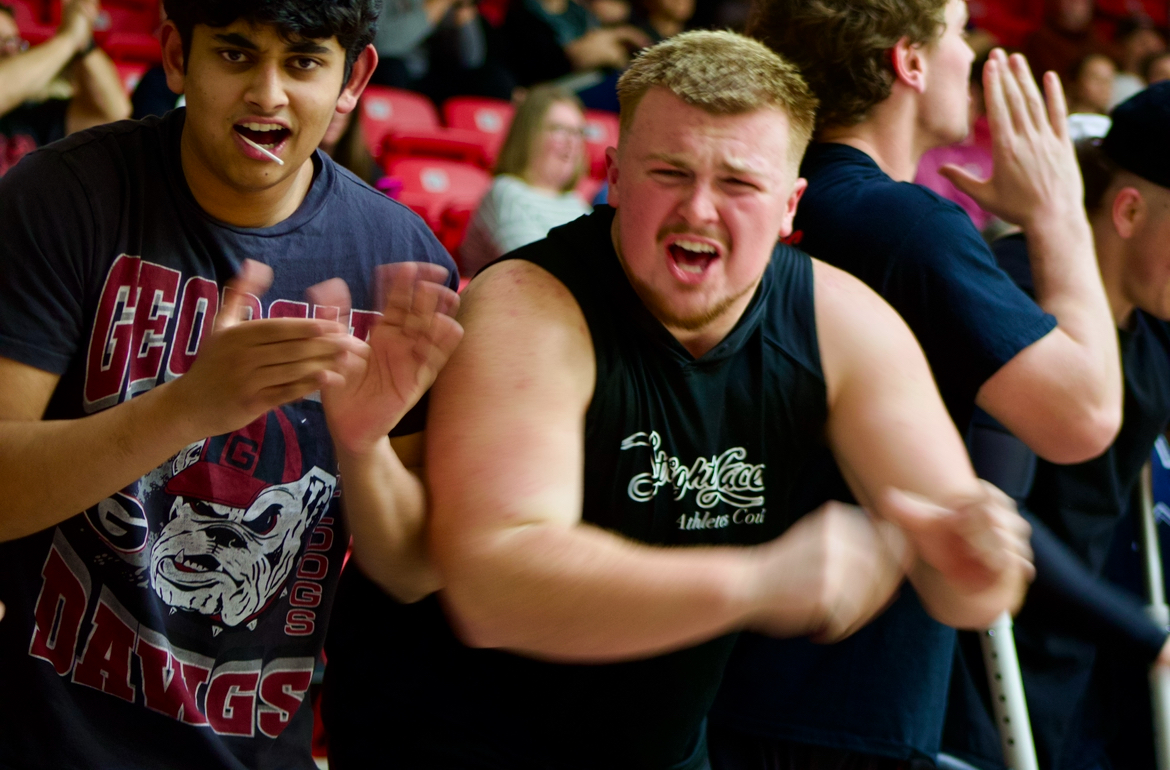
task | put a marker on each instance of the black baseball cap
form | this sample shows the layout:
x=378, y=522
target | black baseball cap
x=1139, y=139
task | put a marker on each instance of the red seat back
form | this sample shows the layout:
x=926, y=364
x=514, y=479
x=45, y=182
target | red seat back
x=130, y=73
x=430, y=186
x=451, y=143
x=601, y=131
x=31, y=19
x=384, y=109
x=490, y=117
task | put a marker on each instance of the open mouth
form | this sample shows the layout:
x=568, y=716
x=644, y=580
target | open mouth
x=692, y=258
x=196, y=564
x=267, y=135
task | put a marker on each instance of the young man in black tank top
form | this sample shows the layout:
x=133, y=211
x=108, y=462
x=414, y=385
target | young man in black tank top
x=650, y=377
x=893, y=83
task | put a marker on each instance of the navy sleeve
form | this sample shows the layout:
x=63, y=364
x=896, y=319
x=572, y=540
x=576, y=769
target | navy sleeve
x=46, y=235
x=1067, y=596
x=973, y=318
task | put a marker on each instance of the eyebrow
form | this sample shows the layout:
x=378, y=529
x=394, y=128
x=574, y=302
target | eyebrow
x=730, y=164
x=302, y=46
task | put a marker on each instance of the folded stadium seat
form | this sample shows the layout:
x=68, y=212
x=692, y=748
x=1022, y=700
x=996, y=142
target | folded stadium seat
x=451, y=143
x=601, y=131
x=31, y=19
x=490, y=117
x=384, y=109
x=431, y=186
x=130, y=73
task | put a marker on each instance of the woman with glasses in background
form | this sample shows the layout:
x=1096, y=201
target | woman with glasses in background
x=539, y=166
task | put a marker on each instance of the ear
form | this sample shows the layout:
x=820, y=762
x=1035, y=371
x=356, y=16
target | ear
x=1128, y=210
x=790, y=208
x=611, y=175
x=909, y=65
x=359, y=77
x=172, y=57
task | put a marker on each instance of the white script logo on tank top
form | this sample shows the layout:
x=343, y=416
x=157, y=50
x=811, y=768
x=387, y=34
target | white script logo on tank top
x=723, y=478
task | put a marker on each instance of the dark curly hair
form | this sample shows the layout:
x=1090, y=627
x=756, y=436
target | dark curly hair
x=842, y=46
x=352, y=22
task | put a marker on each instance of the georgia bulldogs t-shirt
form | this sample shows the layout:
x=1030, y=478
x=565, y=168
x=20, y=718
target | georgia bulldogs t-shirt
x=175, y=623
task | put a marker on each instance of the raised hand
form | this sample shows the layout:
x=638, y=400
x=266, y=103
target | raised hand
x=828, y=575
x=406, y=349
x=77, y=20
x=248, y=367
x=974, y=546
x=1035, y=174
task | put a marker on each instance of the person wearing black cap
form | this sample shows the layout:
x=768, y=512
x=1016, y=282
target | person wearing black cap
x=1073, y=619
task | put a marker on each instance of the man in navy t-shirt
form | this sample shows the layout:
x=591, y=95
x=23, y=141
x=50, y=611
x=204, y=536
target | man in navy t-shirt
x=182, y=379
x=893, y=84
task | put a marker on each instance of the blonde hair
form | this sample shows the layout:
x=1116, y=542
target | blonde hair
x=725, y=74
x=516, y=152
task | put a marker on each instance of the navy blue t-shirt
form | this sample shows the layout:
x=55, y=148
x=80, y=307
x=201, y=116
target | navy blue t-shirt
x=1083, y=505
x=883, y=690
x=176, y=623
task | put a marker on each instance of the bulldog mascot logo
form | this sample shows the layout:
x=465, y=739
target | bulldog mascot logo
x=242, y=505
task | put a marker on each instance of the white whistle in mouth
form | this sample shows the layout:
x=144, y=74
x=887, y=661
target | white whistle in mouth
x=267, y=154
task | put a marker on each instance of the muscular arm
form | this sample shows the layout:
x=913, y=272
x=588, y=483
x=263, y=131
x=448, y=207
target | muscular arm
x=98, y=95
x=1062, y=394
x=889, y=430
x=505, y=463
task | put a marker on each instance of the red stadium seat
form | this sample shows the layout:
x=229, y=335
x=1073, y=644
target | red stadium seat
x=452, y=228
x=132, y=47
x=451, y=143
x=385, y=109
x=601, y=131
x=130, y=73
x=31, y=19
x=490, y=117
x=431, y=186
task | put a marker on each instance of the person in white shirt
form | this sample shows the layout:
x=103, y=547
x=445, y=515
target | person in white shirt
x=539, y=166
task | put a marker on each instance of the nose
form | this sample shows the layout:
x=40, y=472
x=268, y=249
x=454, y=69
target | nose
x=266, y=91
x=700, y=206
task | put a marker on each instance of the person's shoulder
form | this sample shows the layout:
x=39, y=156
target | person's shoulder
x=356, y=200
x=91, y=158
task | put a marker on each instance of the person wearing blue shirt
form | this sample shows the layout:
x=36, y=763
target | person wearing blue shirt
x=893, y=83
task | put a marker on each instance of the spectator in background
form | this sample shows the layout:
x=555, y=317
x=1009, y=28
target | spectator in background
x=547, y=39
x=1090, y=84
x=1066, y=37
x=1156, y=68
x=1137, y=40
x=540, y=163
x=438, y=48
x=661, y=19
x=345, y=142
x=25, y=73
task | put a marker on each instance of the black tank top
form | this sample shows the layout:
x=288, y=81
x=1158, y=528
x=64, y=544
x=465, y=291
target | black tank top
x=678, y=451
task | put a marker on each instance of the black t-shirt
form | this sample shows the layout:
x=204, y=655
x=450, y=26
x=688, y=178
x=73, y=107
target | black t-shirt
x=28, y=127
x=883, y=690
x=678, y=451
x=174, y=624
x=1082, y=505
